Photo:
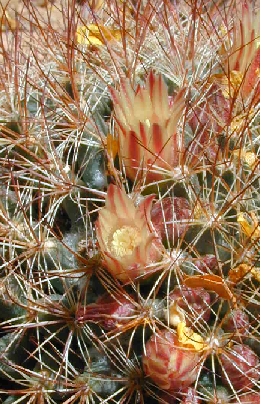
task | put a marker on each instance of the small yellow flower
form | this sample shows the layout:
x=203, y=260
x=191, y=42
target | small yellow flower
x=239, y=272
x=198, y=211
x=96, y=35
x=239, y=120
x=256, y=273
x=229, y=84
x=189, y=338
x=249, y=224
x=248, y=157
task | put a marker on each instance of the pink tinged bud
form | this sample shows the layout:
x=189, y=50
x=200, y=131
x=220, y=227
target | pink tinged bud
x=170, y=365
x=108, y=311
x=170, y=218
x=237, y=322
x=125, y=236
x=147, y=127
x=207, y=263
x=240, y=367
x=196, y=302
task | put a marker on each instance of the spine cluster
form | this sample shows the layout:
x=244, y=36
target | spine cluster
x=129, y=202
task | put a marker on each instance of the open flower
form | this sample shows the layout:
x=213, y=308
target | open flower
x=126, y=237
x=147, y=120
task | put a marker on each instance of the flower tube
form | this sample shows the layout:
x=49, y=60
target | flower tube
x=147, y=128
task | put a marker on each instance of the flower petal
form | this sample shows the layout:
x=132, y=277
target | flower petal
x=143, y=212
x=159, y=96
x=119, y=203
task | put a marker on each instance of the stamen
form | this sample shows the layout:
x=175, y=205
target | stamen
x=124, y=240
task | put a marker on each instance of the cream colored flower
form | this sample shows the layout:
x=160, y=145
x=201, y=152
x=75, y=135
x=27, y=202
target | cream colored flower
x=127, y=241
x=147, y=128
x=242, y=53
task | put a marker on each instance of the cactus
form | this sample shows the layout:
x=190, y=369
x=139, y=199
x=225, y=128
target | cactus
x=129, y=202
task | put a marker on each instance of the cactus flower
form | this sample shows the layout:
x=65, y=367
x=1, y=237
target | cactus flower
x=147, y=127
x=126, y=238
x=242, y=56
x=245, y=47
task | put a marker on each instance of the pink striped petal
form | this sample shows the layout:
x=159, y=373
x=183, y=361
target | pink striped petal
x=118, y=202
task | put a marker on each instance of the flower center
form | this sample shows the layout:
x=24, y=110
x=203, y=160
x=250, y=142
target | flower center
x=124, y=240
